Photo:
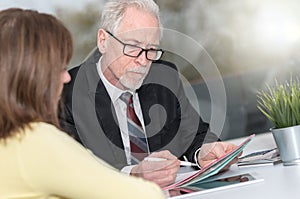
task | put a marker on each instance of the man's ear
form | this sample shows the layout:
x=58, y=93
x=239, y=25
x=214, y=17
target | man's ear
x=102, y=39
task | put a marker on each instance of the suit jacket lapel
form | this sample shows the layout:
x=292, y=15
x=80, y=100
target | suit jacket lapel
x=105, y=112
x=153, y=120
x=107, y=116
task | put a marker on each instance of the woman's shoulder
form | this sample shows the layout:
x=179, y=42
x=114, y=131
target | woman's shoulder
x=44, y=132
x=40, y=136
x=41, y=128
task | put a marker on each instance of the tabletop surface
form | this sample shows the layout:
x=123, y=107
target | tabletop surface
x=279, y=181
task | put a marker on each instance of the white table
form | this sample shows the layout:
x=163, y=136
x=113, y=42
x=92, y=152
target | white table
x=279, y=181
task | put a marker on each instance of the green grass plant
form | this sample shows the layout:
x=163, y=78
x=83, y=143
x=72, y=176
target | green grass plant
x=281, y=103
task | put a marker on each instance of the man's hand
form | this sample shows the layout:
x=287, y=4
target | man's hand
x=212, y=151
x=162, y=173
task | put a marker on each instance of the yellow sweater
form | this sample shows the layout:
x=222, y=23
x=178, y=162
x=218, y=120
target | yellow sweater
x=44, y=163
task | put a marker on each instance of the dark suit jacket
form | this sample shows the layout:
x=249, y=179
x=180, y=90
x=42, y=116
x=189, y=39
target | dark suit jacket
x=171, y=122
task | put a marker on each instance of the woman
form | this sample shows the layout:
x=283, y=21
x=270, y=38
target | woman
x=37, y=159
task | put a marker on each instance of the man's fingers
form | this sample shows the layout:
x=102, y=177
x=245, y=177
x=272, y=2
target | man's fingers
x=212, y=151
x=162, y=177
x=219, y=150
x=150, y=166
x=216, y=150
x=229, y=147
x=163, y=154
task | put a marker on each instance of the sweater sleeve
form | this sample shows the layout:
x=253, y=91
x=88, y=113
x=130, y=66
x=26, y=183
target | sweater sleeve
x=53, y=163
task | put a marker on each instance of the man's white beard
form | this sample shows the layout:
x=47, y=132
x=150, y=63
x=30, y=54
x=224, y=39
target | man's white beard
x=131, y=85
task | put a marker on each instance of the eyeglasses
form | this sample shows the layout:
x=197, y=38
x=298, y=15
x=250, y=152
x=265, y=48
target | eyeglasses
x=135, y=51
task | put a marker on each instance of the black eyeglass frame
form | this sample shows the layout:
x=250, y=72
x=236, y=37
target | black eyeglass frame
x=159, y=52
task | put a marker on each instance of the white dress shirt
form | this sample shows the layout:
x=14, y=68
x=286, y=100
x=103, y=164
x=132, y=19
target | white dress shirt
x=121, y=112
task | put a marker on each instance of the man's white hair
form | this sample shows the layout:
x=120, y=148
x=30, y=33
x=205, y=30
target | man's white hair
x=114, y=10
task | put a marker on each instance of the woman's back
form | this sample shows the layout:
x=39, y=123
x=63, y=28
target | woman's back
x=43, y=160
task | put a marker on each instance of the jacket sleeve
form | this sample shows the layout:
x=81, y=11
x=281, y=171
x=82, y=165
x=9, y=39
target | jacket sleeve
x=183, y=131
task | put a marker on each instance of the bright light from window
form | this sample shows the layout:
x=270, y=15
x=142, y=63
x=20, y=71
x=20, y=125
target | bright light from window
x=276, y=28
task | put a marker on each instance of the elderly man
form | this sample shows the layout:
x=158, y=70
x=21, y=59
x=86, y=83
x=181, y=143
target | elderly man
x=124, y=103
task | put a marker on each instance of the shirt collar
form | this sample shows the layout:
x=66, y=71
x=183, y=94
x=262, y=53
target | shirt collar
x=112, y=90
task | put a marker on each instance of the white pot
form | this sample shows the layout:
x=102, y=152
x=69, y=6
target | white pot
x=288, y=143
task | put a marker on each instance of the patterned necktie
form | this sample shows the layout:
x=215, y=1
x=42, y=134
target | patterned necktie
x=138, y=142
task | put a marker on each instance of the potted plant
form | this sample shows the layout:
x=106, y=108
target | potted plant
x=281, y=105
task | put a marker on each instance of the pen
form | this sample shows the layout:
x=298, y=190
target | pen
x=182, y=163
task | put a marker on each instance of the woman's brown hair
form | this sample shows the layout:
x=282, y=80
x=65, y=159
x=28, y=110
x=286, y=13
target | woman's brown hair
x=34, y=50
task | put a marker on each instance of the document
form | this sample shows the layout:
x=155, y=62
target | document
x=211, y=169
x=260, y=158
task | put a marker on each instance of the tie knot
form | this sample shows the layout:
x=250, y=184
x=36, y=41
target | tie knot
x=126, y=97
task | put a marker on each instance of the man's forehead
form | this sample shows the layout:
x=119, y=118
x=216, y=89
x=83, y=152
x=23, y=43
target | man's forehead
x=141, y=35
x=138, y=24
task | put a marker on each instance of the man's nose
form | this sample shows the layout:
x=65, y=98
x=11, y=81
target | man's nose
x=142, y=58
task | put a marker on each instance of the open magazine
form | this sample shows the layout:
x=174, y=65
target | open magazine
x=212, y=168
